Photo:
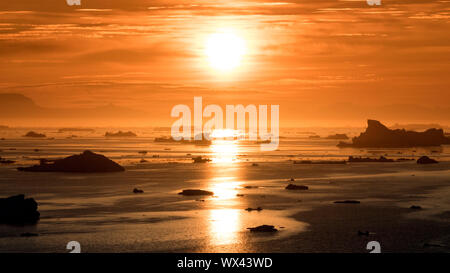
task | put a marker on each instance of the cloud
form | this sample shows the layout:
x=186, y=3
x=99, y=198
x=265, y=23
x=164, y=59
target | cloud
x=141, y=52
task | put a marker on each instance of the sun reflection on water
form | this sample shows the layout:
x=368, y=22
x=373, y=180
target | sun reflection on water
x=225, y=222
x=224, y=151
x=225, y=188
x=224, y=227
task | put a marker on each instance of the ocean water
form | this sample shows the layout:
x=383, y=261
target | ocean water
x=295, y=144
x=101, y=212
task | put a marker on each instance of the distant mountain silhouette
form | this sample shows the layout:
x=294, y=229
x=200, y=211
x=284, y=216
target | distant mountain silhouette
x=378, y=135
x=17, y=105
x=389, y=112
x=13, y=105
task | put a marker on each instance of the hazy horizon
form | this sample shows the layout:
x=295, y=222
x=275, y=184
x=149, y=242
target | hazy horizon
x=19, y=111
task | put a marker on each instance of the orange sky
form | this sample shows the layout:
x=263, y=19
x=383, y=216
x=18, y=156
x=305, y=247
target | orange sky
x=322, y=61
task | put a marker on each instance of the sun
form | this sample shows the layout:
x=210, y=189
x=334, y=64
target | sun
x=225, y=50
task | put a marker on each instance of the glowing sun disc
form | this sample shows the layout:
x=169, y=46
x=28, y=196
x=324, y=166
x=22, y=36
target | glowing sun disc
x=225, y=50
